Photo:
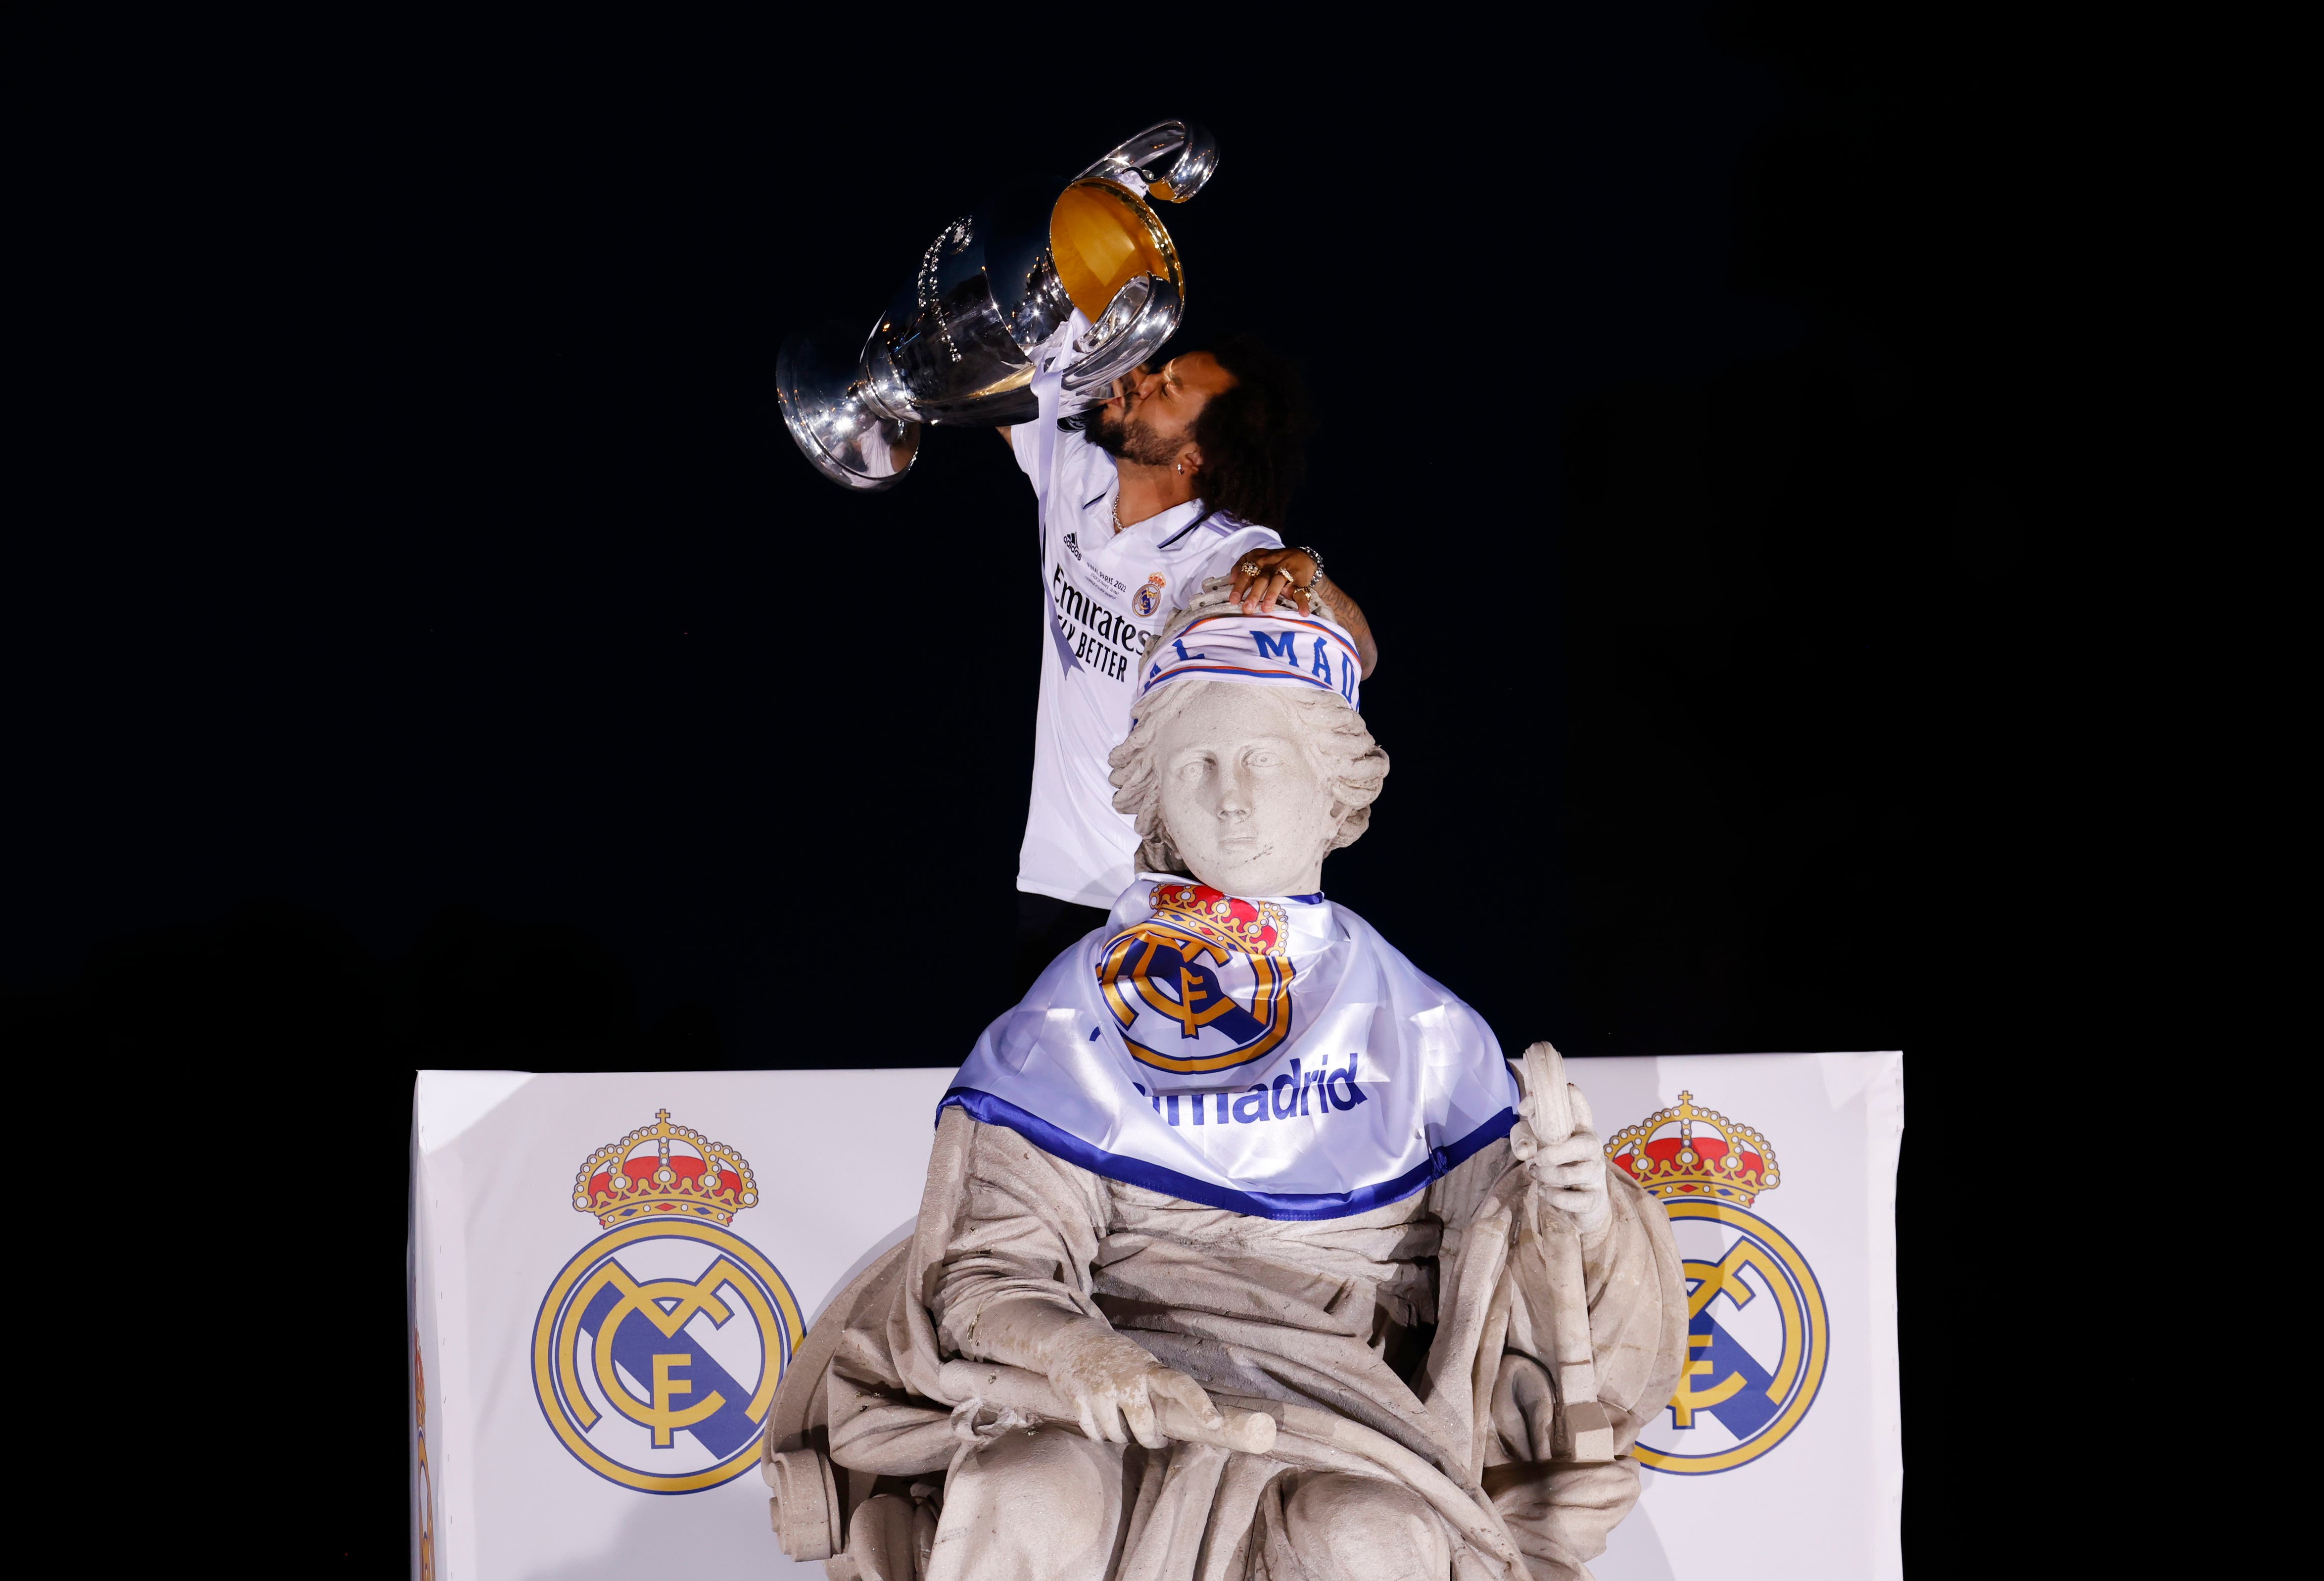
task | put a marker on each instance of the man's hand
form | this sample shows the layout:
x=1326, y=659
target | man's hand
x=1571, y=1174
x=1112, y=1382
x=1264, y=576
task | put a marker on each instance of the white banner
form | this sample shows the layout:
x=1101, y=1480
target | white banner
x=587, y=1403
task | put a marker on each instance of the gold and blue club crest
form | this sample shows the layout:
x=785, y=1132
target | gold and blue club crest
x=1202, y=985
x=423, y=1491
x=657, y=1347
x=1758, y=1337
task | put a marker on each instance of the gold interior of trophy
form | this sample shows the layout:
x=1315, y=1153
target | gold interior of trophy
x=1102, y=236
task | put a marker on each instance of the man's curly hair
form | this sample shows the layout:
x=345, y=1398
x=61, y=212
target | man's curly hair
x=1253, y=437
x=1356, y=764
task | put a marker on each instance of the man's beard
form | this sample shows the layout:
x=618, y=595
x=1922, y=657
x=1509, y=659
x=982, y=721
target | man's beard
x=1130, y=439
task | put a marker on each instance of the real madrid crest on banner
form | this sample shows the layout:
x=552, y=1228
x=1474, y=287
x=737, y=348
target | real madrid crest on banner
x=657, y=1347
x=424, y=1493
x=1202, y=985
x=1757, y=1334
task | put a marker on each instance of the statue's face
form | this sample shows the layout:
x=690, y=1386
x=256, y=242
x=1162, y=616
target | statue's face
x=1245, y=801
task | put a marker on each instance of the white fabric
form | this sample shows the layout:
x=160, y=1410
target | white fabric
x=1267, y=650
x=841, y=1157
x=1276, y=1058
x=1108, y=594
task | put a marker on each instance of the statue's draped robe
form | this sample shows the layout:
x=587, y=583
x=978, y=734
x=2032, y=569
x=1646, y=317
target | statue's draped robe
x=1452, y=1284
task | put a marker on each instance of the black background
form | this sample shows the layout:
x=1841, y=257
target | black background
x=429, y=651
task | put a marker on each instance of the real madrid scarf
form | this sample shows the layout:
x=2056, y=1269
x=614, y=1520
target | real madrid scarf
x=1276, y=1058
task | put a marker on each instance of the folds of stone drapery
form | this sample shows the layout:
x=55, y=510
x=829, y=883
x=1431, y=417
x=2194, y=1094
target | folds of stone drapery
x=1559, y=1514
x=1312, y=1339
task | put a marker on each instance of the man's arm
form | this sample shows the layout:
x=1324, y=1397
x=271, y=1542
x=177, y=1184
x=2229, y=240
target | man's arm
x=1344, y=604
x=1287, y=575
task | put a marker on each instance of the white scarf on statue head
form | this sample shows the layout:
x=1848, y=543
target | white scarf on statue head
x=1271, y=1057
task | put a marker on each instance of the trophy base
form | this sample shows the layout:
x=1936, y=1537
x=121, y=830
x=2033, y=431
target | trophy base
x=855, y=443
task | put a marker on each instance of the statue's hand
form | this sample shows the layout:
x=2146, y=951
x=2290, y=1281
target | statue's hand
x=1571, y=1174
x=1111, y=1381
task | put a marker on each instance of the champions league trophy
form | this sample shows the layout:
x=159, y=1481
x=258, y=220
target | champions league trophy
x=956, y=344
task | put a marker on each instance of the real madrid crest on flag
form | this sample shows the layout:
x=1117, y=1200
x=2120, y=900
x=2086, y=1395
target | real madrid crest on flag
x=657, y=1347
x=1202, y=985
x=1757, y=1335
x=424, y=1488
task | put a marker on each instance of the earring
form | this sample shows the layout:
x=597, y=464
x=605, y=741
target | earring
x=1181, y=469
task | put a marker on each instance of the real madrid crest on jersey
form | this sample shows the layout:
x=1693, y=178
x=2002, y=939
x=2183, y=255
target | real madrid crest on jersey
x=659, y=1347
x=1148, y=599
x=1202, y=985
x=1757, y=1335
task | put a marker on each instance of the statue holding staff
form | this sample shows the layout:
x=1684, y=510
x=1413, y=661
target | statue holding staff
x=1244, y=1255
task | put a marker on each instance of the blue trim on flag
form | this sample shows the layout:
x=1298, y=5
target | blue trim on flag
x=1338, y=636
x=1272, y=1205
x=1176, y=671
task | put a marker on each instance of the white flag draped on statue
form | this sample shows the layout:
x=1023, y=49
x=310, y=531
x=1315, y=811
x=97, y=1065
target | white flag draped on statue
x=608, y=1274
x=1165, y=1050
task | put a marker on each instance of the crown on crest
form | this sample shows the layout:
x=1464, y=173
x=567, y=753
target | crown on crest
x=1255, y=928
x=1704, y=1154
x=664, y=1169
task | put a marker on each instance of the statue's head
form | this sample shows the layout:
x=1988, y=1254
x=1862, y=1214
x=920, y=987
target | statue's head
x=1248, y=762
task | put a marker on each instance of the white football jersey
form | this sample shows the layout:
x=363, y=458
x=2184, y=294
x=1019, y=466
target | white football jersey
x=1108, y=594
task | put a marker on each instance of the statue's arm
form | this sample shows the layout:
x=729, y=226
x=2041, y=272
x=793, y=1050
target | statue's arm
x=1561, y=1513
x=1605, y=1254
x=1014, y=1288
x=1024, y=1232
x=1638, y=1308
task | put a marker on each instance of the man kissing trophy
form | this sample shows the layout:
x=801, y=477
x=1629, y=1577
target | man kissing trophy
x=958, y=343
x=1037, y=314
x=1243, y=1254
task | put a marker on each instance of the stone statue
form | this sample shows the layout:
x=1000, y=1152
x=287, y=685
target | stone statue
x=1244, y=1255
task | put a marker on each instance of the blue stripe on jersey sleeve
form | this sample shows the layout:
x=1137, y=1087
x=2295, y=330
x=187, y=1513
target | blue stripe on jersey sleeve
x=1182, y=531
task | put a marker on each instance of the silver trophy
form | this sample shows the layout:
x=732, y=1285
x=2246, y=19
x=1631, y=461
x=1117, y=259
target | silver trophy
x=957, y=344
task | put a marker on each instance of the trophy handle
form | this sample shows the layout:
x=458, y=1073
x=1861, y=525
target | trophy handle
x=1143, y=315
x=1138, y=163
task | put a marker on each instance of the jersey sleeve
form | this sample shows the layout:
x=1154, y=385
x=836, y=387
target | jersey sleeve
x=1026, y=439
x=1025, y=444
x=1220, y=562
